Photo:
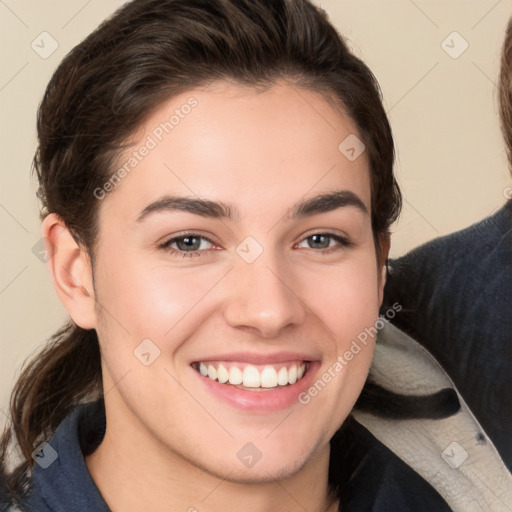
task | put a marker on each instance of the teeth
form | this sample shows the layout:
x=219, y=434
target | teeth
x=268, y=377
x=222, y=374
x=292, y=375
x=235, y=375
x=212, y=372
x=282, y=377
x=252, y=377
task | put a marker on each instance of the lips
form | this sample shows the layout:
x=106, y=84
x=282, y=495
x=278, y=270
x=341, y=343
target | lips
x=241, y=373
x=256, y=382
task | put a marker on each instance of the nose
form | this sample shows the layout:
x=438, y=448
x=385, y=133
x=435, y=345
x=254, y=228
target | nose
x=263, y=297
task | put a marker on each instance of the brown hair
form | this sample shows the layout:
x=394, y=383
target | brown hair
x=505, y=92
x=105, y=88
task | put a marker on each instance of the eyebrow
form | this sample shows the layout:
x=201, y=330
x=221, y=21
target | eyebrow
x=322, y=203
x=328, y=202
x=202, y=207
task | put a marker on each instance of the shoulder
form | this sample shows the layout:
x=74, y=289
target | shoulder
x=483, y=244
x=447, y=448
x=60, y=480
x=456, y=293
x=372, y=478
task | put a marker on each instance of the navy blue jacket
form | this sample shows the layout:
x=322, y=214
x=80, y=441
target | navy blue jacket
x=456, y=295
x=367, y=475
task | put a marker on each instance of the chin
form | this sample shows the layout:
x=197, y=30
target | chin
x=251, y=465
x=262, y=472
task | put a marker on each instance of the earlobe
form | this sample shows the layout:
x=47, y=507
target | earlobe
x=71, y=271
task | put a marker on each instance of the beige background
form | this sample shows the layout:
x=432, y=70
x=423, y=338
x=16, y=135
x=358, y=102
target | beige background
x=451, y=161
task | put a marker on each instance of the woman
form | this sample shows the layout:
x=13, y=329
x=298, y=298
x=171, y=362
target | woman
x=217, y=190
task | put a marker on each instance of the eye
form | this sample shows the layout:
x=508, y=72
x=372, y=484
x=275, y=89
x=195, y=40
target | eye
x=190, y=244
x=324, y=241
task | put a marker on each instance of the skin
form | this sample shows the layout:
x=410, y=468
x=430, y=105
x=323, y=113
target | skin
x=169, y=444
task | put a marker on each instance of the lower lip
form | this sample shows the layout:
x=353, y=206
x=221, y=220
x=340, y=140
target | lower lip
x=267, y=400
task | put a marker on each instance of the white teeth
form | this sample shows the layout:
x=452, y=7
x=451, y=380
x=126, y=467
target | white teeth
x=235, y=375
x=251, y=377
x=222, y=374
x=282, y=376
x=292, y=375
x=212, y=372
x=268, y=377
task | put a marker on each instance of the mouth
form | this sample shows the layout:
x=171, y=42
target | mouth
x=255, y=382
x=253, y=377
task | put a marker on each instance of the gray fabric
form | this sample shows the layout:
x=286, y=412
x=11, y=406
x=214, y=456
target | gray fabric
x=454, y=454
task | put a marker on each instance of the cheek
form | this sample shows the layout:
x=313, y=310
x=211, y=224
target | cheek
x=345, y=298
x=140, y=300
x=347, y=305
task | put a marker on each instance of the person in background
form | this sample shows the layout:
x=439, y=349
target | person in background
x=456, y=293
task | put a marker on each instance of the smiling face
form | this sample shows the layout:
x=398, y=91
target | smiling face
x=237, y=248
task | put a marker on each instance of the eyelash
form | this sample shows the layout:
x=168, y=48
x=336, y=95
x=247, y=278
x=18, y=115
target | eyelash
x=176, y=252
x=342, y=242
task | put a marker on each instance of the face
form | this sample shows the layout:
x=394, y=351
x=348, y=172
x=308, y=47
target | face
x=235, y=267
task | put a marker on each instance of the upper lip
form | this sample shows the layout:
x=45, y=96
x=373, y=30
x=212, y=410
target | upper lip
x=256, y=358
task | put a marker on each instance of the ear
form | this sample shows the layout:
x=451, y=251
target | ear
x=382, y=257
x=71, y=271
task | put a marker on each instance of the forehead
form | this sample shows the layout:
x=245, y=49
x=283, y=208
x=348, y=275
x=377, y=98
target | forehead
x=263, y=149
